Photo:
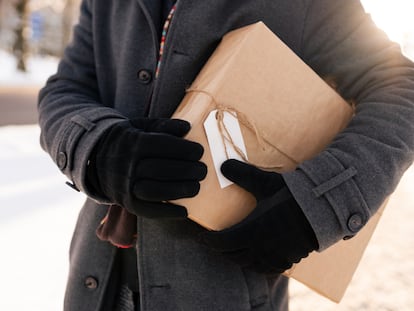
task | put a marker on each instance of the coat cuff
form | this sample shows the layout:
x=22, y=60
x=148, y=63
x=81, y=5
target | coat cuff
x=329, y=197
x=79, y=138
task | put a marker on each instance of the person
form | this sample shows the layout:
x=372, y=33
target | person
x=105, y=121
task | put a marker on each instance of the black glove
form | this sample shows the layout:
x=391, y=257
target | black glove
x=139, y=164
x=275, y=235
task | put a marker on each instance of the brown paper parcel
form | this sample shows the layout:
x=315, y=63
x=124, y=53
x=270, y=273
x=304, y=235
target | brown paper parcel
x=287, y=114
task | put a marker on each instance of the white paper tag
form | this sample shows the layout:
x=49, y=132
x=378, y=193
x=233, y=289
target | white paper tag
x=216, y=142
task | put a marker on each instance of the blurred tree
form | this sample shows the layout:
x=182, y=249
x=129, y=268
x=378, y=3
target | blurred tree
x=21, y=45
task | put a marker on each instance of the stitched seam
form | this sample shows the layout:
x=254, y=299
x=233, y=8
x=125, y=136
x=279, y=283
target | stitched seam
x=83, y=122
x=334, y=182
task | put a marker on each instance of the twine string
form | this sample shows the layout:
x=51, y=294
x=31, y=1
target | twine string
x=226, y=136
x=246, y=122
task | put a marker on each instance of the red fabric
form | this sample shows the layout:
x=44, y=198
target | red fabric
x=118, y=227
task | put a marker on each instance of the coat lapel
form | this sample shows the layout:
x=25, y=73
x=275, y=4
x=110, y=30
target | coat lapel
x=149, y=8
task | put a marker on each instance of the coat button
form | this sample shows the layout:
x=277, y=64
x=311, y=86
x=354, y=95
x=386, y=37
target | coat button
x=144, y=76
x=355, y=222
x=91, y=283
x=62, y=160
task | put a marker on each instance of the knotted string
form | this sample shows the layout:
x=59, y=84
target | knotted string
x=246, y=122
x=226, y=136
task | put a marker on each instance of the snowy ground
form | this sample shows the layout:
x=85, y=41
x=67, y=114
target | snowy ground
x=39, y=69
x=37, y=216
x=38, y=213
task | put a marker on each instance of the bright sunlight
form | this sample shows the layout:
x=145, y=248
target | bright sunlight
x=395, y=17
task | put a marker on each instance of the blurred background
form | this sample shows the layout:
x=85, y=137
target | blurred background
x=41, y=27
x=38, y=212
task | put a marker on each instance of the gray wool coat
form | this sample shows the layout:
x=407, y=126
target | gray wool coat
x=107, y=75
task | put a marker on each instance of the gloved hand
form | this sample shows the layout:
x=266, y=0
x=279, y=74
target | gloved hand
x=139, y=164
x=275, y=235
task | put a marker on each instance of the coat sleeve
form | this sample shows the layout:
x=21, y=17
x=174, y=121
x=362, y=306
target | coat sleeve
x=71, y=115
x=343, y=186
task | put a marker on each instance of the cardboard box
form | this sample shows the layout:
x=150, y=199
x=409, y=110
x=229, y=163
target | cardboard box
x=286, y=114
x=295, y=115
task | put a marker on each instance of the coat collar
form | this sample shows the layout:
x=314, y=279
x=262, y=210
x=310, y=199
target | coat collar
x=151, y=10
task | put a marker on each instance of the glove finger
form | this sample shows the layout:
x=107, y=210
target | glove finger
x=266, y=268
x=175, y=127
x=226, y=240
x=170, y=147
x=151, y=190
x=260, y=183
x=171, y=170
x=158, y=209
x=275, y=266
x=242, y=257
